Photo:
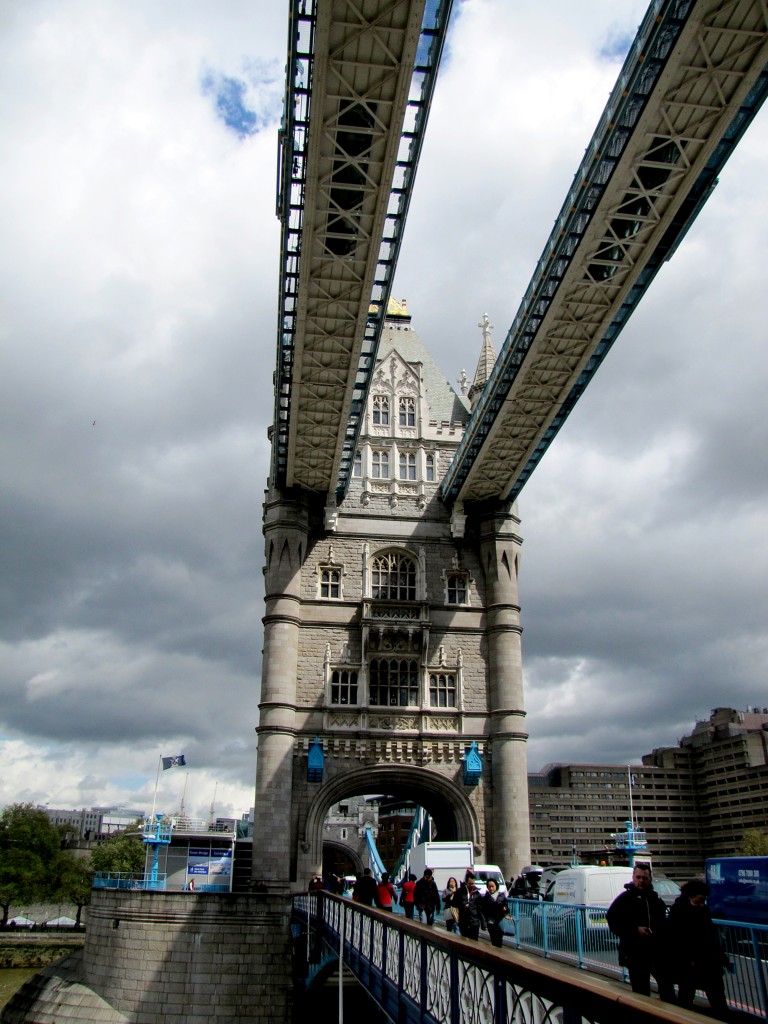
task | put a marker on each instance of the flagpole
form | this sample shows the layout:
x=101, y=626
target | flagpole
x=182, y=812
x=629, y=786
x=157, y=780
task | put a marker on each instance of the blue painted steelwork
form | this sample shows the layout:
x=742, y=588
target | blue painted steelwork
x=421, y=974
x=579, y=935
x=419, y=832
x=473, y=766
x=129, y=880
x=293, y=140
x=377, y=864
x=315, y=761
x=645, y=62
x=677, y=230
x=631, y=841
x=156, y=834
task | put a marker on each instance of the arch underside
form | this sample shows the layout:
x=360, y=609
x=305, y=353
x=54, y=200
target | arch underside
x=451, y=811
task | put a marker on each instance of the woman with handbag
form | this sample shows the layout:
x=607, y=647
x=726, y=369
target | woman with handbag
x=494, y=908
x=450, y=904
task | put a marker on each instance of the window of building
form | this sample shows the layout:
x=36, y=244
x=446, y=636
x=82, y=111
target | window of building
x=394, y=682
x=442, y=690
x=407, y=412
x=456, y=588
x=343, y=686
x=429, y=467
x=330, y=583
x=380, y=465
x=357, y=465
x=393, y=577
x=380, y=410
x=407, y=466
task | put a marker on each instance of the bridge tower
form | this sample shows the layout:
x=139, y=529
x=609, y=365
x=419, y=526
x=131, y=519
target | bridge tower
x=392, y=636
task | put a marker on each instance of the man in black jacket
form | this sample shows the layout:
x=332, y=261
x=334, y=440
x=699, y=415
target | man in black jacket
x=365, y=889
x=426, y=897
x=638, y=916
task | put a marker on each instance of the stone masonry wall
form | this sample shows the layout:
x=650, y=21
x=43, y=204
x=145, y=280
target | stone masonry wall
x=185, y=958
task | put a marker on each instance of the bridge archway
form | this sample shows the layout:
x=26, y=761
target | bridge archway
x=339, y=851
x=450, y=809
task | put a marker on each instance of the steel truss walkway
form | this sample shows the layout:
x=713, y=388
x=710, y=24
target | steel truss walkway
x=360, y=80
x=692, y=82
x=359, y=86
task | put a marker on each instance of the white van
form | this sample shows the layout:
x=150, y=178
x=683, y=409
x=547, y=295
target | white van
x=588, y=885
x=483, y=872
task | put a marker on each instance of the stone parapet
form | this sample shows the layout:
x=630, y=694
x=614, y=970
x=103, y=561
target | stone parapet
x=179, y=958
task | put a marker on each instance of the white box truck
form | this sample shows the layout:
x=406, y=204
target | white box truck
x=446, y=860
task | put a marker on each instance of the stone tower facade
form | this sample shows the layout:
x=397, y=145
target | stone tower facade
x=391, y=638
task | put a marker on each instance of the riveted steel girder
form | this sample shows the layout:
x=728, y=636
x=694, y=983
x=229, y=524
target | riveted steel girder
x=360, y=77
x=692, y=82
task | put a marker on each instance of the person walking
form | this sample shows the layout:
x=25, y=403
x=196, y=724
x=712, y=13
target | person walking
x=470, y=917
x=385, y=894
x=406, y=896
x=494, y=908
x=451, y=904
x=426, y=896
x=698, y=959
x=638, y=916
x=365, y=889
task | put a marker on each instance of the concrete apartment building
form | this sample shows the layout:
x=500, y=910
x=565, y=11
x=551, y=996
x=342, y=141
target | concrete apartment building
x=694, y=800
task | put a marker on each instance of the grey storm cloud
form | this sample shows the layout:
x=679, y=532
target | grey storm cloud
x=139, y=279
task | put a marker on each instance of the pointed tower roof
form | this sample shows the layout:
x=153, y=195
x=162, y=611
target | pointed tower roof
x=484, y=364
x=445, y=405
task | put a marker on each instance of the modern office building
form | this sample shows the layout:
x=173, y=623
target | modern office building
x=694, y=800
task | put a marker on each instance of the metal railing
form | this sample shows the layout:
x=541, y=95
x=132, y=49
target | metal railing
x=580, y=936
x=425, y=974
x=149, y=881
x=129, y=880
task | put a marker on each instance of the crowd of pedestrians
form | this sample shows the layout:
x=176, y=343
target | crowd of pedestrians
x=680, y=949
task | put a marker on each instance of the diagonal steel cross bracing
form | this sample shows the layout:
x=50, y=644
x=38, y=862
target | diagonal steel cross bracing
x=360, y=79
x=692, y=82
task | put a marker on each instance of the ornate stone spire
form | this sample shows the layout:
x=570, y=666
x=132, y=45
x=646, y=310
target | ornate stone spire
x=484, y=363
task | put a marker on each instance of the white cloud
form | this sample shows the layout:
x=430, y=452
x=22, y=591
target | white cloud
x=138, y=280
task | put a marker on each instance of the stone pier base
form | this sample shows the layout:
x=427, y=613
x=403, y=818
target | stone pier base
x=171, y=958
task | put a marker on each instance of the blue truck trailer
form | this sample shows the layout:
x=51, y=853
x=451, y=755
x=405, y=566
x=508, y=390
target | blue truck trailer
x=739, y=888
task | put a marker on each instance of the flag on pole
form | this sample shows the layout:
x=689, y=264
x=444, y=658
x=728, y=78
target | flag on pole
x=174, y=762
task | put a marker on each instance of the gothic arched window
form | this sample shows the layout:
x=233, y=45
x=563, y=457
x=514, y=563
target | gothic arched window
x=380, y=410
x=394, y=682
x=393, y=577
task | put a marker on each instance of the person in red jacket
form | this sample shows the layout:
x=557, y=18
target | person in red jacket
x=385, y=893
x=406, y=900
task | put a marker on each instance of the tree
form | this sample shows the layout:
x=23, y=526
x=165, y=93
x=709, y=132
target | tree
x=754, y=843
x=123, y=851
x=29, y=846
x=73, y=880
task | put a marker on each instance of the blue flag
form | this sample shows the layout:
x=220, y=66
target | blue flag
x=174, y=762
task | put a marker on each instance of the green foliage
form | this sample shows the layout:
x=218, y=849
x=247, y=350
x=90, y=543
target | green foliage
x=73, y=880
x=754, y=843
x=121, y=852
x=29, y=847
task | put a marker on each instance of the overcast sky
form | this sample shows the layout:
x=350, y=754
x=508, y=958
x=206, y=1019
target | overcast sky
x=139, y=297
